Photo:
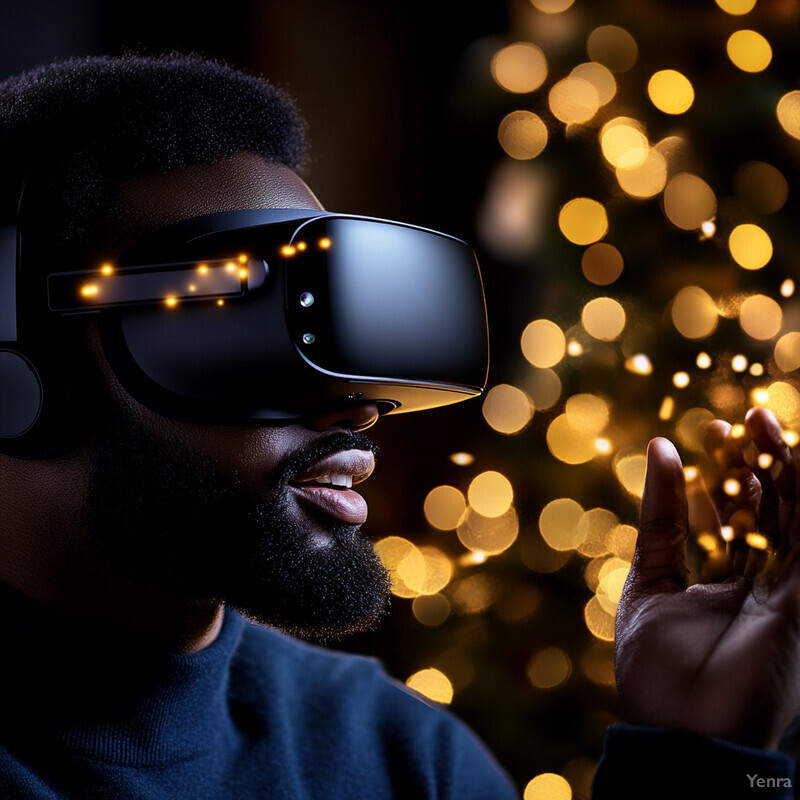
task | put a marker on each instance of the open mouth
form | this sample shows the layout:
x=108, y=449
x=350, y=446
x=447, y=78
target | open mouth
x=328, y=485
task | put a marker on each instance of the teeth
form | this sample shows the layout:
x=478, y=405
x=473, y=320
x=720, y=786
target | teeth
x=339, y=481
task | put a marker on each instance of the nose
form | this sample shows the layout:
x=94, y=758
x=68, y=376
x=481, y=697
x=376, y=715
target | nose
x=357, y=417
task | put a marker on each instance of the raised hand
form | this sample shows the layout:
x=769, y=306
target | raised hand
x=722, y=658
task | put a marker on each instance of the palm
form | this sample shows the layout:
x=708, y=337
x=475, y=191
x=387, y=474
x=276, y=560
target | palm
x=721, y=658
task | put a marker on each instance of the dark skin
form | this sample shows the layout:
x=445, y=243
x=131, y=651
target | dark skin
x=44, y=550
x=718, y=658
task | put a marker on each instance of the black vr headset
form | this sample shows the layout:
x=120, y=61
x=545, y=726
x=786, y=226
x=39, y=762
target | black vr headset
x=256, y=316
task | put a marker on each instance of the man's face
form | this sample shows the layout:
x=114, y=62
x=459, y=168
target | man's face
x=260, y=518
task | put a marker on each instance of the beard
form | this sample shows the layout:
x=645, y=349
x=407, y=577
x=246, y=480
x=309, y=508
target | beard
x=165, y=518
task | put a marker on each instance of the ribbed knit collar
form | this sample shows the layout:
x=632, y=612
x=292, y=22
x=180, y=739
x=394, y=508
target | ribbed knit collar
x=63, y=688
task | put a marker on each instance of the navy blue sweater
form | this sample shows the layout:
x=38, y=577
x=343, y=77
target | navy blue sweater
x=254, y=715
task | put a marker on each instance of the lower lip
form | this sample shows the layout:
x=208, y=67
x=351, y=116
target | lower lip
x=343, y=504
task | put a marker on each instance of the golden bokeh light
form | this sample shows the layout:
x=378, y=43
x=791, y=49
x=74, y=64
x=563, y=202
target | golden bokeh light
x=490, y=494
x=694, y=313
x=703, y=360
x=646, y=179
x=559, y=524
x=623, y=142
x=736, y=7
x=595, y=526
x=587, y=412
x=640, y=364
x=788, y=111
x=787, y=288
x=670, y=91
x=750, y=246
x=522, y=134
x=583, y=220
x=488, y=535
x=548, y=786
x=507, y=409
x=784, y=402
x=396, y=552
x=433, y=684
x=462, y=458
x=430, y=609
x=543, y=386
x=600, y=77
x=603, y=318
x=569, y=444
x=444, y=506
x=667, y=408
x=749, y=51
x=428, y=576
x=621, y=541
x=549, y=668
x=760, y=317
x=520, y=67
x=543, y=343
x=599, y=621
x=552, y=6
x=761, y=186
x=573, y=100
x=602, y=263
x=613, y=47
x=681, y=380
x=689, y=201
x=787, y=352
x=691, y=427
x=630, y=471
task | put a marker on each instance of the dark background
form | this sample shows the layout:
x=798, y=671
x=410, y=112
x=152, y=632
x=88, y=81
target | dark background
x=403, y=118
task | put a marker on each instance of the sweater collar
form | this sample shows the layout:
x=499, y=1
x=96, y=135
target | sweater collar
x=109, y=702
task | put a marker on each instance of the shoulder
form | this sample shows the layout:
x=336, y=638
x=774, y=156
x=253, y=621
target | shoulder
x=330, y=696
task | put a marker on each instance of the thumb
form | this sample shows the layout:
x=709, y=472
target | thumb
x=659, y=562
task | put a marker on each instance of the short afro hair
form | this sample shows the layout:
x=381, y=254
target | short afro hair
x=75, y=127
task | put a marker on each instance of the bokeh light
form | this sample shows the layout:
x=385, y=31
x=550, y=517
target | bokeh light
x=603, y=318
x=694, y=313
x=490, y=494
x=670, y=91
x=433, y=684
x=522, y=134
x=552, y=6
x=543, y=343
x=689, y=201
x=612, y=46
x=736, y=7
x=760, y=317
x=548, y=786
x=789, y=113
x=520, y=67
x=583, y=220
x=602, y=263
x=750, y=246
x=761, y=187
x=507, y=409
x=559, y=524
x=444, y=506
x=749, y=51
x=549, y=668
x=574, y=100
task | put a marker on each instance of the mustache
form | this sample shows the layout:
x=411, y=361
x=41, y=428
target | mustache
x=304, y=458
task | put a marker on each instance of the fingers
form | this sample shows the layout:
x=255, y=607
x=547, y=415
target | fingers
x=659, y=563
x=735, y=490
x=775, y=461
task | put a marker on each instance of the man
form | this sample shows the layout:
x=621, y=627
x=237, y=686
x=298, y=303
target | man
x=139, y=543
x=138, y=548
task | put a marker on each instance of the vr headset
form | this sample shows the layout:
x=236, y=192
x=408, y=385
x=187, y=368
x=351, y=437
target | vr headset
x=263, y=316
